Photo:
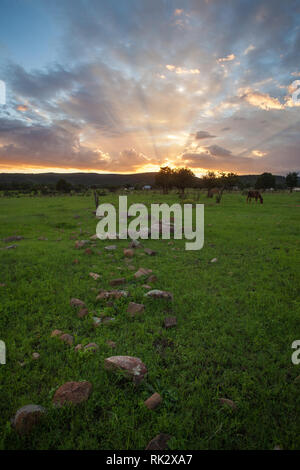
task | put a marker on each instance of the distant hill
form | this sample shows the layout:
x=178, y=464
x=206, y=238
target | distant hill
x=101, y=180
x=86, y=179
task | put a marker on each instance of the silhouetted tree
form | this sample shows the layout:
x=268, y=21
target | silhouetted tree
x=292, y=180
x=63, y=186
x=183, y=178
x=164, y=179
x=265, y=181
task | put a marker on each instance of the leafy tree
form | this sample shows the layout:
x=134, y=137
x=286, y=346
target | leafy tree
x=292, y=180
x=209, y=181
x=265, y=181
x=63, y=186
x=226, y=181
x=183, y=178
x=164, y=179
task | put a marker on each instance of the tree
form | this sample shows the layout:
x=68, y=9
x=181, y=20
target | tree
x=183, y=178
x=209, y=181
x=164, y=179
x=63, y=186
x=265, y=181
x=226, y=181
x=292, y=180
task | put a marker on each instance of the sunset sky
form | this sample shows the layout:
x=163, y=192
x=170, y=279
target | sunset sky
x=129, y=85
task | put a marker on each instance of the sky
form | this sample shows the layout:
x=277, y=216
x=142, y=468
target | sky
x=126, y=86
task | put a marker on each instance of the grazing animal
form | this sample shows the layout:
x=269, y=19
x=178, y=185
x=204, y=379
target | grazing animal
x=256, y=195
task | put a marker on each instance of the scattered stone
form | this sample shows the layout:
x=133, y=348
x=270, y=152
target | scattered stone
x=169, y=322
x=94, y=276
x=159, y=294
x=129, y=252
x=171, y=243
x=76, y=303
x=159, y=442
x=131, y=267
x=97, y=321
x=135, y=244
x=14, y=238
x=72, y=392
x=150, y=252
x=134, y=308
x=83, y=312
x=43, y=239
x=146, y=286
x=35, y=356
x=10, y=247
x=91, y=346
x=88, y=251
x=142, y=272
x=117, y=282
x=66, y=338
x=56, y=333
x=27, y=417
x=111, y=344
x=132, y=366
x=113, y=294
x=230, y=403
x=214, y=260
x=81, y=243
x=111, y=247
x=94, y=237
x=152, y=278
x=78, y=347
x=154, y=401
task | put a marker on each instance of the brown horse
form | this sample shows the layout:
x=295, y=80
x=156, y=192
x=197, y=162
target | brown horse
x=256, y=195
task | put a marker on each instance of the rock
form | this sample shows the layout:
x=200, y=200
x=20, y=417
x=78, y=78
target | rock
x=111, y=247
x=82, y=312
x=111, y=344
x=132, y=366
x=214, y=260
x=78, y=347
x=13, y=238
x=43, y=239
x=117, y=282
x=170, y=321
x=35, y=356
x=72, y=392
x=131, y=267
x=277, y=448
x=159, y=294
x=77, y=303
x=92, y=346
x=154, y=401
x=142, y=272
x=113, y=294
x=66, y=338
x=27, y=417
x=226, y=401
x=159, y=442
x=152, y=278
x=135, y=244
x=94, y=237
x=97, y=321
x=88, y=251
x=94, y=276
x=10, y=247
x=150, y=252
x=134, y=308
x=56, y=333
x=146, y=286
x=129, y=252
x=81, y=243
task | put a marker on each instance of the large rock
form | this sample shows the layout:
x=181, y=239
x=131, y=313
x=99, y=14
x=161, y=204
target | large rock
x=72, y=392
x=66, y=338
x=135, y=309
x=129, y=252
x=133, y=367
x=27, y=417
x=159, y=294
x=142, y=272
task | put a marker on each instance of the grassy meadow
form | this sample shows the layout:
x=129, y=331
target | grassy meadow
x=236, y=321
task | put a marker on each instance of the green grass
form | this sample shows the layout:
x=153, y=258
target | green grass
x=237, y=319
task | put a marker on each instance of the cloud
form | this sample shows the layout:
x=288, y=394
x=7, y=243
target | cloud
x=228, y=58
x=260, y=100
x=203, y=135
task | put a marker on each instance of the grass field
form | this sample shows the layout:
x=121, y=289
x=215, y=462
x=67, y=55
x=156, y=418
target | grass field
x=236, y=321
